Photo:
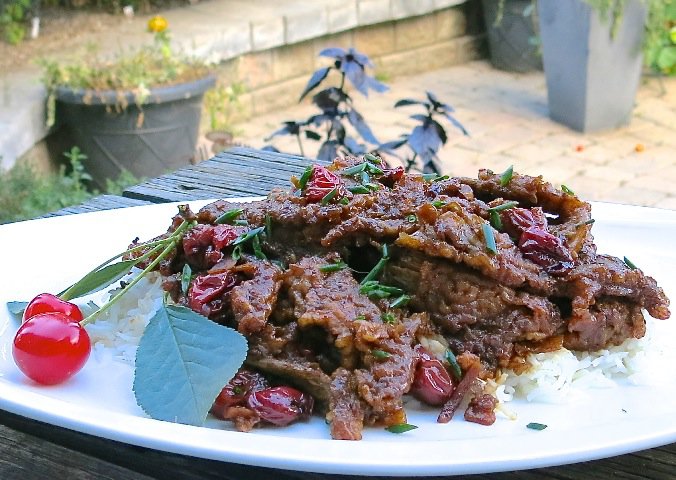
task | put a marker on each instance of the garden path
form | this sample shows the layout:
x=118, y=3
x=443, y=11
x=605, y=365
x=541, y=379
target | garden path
x=506, y=115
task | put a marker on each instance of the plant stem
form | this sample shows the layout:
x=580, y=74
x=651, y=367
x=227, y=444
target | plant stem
x=342, y=82
x=300, y=145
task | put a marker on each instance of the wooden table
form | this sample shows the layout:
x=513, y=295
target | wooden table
x=34, y=450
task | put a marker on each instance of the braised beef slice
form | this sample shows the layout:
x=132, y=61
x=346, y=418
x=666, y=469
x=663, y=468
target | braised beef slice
x=346, y=410
x=254, y=299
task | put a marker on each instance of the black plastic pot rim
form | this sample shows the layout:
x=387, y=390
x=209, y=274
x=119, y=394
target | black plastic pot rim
x=179, y=91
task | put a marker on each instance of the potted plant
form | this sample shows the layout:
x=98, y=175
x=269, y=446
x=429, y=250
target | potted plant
x=513, y=38
x=592, y=60
x=139, y=112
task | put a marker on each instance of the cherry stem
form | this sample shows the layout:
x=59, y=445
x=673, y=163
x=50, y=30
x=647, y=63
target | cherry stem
x=168, y=243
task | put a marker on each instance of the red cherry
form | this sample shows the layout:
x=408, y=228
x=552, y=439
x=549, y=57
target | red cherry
x=48, y=303
x=49, y=348
x=281, y=405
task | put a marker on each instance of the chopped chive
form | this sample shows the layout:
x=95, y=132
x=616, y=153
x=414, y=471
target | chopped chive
x=333, y=267
x=237, y=252
x=372, y=186
x=247, y=236
x=489, y=238
x=401, y=301
x=385, y=251
x=439, y=179
x=388, y=317
x=630, y=264
x=371, y=157
x=305, y=177
x=268, y=226
x=241, y=223
x=375, y=271
x=359, y=189
x=495, y=220
x=344, y=201
x=401, y=428
x=237, y=390
x=256, y=245
x=412, y=218
x=439, y=203
x=503, y=206
x=229, y=216
x=365, y=177
x=581, y=224
x=536, y=426
x=354, y=169
x=328, y=197
x=186, y=275
x=453, y=362
x=381, y=354
x=360, y=318
x=373, y=169
x=374, y=288
x=567, y=190
x=430, y=177
x=506, y=176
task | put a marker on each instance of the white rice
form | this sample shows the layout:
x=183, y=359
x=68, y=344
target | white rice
x=116, y=332
x=553, y=377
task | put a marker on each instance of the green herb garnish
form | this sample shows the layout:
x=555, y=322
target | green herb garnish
x=241, y=223
x=333, y=267
x=359, y=189
x=588, y=222
x=433, y=177
x=354, y=170
x=371, y=157
x=360, y=318
x=506, y=176
x=536, y=426
x=439, y=203
x=373, y=288
x=630, y=264
x=503, y=206
x=328, y=197
x=305, y=177
x=256, y=245
x=412, y=218
x=380, y=354
x=237, y=253
x=365, y=178
x=567, y=190
x=186, y=275
x=245, y=237
x=495, y=220
x=489, y=238
x=453, y=362
x=344, y=201
x=388, y=317
x=401, y=428
x=229, y=216
x=401, y=301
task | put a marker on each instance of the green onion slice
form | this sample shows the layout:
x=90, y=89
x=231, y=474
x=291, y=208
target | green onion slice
x=412, y=218
x=453, y=362
x=354, y=170
x=381, y=354
x=359, y=189
x=536, y=426
x=186, y=275
x=506, y=176
x=229, y=216
x=503, y=206
x=400, y=301
x=305, y=177
x=401, y=428
x=247, y=236
x=489, y=238
x=495, y=220
x=630, y=264
x=333, y=267
x=328, y=197
x=388, y=317
x=567, y=190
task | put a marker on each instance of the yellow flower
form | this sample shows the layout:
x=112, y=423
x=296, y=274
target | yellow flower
x=157, y=24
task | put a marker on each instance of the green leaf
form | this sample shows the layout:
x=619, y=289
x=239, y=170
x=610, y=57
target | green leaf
x=95, y=281
x=182, y=363
x=17, y=308
x=536, y=426
x=666, y=58
x=401, y=428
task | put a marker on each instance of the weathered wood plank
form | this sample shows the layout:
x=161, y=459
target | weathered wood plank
x=102, y=202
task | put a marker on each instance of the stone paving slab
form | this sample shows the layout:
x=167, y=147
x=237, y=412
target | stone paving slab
x=506, y=115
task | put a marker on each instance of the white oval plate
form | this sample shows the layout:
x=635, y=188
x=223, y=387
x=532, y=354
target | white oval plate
x=49, y=254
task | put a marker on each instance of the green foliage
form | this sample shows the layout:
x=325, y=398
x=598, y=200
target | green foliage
x=660, y=41
x=222, y=103
x=13, y=20
x=24, y=194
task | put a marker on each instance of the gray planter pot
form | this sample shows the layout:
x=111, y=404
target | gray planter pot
x=592, y=76
x=512, y=42
x=148, y=141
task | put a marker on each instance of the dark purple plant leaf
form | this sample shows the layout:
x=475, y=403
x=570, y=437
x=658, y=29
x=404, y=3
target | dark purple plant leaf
x=360, y=58
x=328, y=100
x=393, y=145
x=317, y=120
x=328, y=151
x=338, y=130
x=437, y=104
x=440, y=131
x=312, y=135
x=333, y=52
x=456, y=123
x=289, y=128
x=357, y=121
x=354, y=147
x=420, y=117
x=314, y=81
x=424, y=139
x=376, y=86
x=356, y=75
x=407, y=101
